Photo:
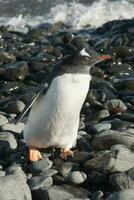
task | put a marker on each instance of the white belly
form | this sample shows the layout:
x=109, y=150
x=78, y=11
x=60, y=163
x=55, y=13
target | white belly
x=54, y=117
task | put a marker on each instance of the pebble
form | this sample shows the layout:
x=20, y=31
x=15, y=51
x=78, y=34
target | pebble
x=14, y=107
x=38, y=182
x=18, y=128
x=76, y=177
x=40, y=166
x=3, y=120
x=67, y=167
x=122, y=195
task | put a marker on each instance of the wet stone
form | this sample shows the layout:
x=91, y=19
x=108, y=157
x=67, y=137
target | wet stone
x=40, y=166
x=103, y=126
x=6, y=57
x=80, y=157
x=3, y=120
x=19, y=127
x=96, y=178
x=76, y=177
x=112, y=161
x=118, y=69
x=122, y=195
x=66, y=168
x=17, y=186
x=18, y=71
x=106, y=139
x=61, y=193
x=115, y=106
x=7, y=140
x=14, y=107
x=37, y=182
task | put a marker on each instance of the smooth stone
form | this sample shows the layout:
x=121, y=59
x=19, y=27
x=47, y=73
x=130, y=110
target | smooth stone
x=59, y=180
x=18, y=72
x=100, y=95
x=118, y=124
x=97, y=83
x=122, y=180
x=127, y=116
x=97, y=72
x=83, y=142
x=19, y=127
x=14, y=186
x=6, y=57
x=3, y=120
x=125, y=84
x=127, y=194
x=97, y=195
x=11, y=87
x=49, y=172
x=106, y=139
x=119, y=69
x=80, y=157
x=98, y=116
x=7, y=140
x=76, y=177
x=36, y=64
x=40, y=166
x=96, y=178
x=115, y=106
x=103, y=126
x=112, y=161
x=61, y=193
x=14, y=107
x=37, y=182
x=66, y=168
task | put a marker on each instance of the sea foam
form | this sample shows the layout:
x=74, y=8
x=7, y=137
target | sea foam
x=76, y=15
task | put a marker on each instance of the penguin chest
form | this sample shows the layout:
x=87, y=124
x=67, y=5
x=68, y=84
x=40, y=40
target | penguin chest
x=54, y=118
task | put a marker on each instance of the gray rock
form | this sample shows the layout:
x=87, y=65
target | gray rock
x=3, y=120
x=98, y=116
x=7, y=140
x=63, y=192
x=127, y=194
x=115, y=106
x=17, y=71
x=67, y=167
x=96, y=128
x=14, y=107
x=40, y=166
x=96, y=178
x=80, y=157
x=37, y=182
x=106, y=139
x=118, y=124
x=97, y=195
x=14, y=186
x=76, y=177
x=122, y=180
x=19, y=127
x=112, y=161
x=100, y=95
x=83, y=142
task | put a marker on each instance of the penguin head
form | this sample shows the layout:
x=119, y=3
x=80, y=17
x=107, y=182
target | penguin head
x=88, y=57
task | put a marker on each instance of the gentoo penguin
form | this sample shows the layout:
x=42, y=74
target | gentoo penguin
x=54, y=118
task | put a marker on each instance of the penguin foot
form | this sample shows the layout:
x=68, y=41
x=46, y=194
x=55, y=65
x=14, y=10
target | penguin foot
x=65, y=153
x=34, y=154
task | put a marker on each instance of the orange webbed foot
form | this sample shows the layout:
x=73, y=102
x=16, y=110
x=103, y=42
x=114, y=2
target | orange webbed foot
x=34, y=154
x=65, y=153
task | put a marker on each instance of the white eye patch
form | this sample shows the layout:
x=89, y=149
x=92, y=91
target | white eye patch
x=84, y=53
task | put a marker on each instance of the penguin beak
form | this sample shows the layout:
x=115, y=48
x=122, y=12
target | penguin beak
x=104, y=57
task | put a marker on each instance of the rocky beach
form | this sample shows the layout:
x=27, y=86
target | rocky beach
x=103, y=164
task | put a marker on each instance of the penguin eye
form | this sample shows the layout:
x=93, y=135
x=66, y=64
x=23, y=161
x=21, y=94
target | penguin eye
x=87, y=57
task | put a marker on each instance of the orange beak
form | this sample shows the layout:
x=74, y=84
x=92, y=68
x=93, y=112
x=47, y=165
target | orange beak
x=105, y=57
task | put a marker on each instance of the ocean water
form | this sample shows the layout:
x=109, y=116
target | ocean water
x=20, y=14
